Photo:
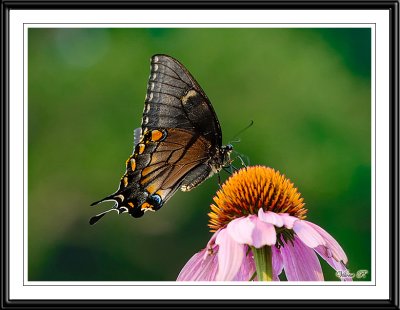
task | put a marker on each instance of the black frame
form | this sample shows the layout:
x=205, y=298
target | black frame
x=392, y=6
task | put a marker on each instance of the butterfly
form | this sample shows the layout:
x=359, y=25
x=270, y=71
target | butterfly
x=178, y=146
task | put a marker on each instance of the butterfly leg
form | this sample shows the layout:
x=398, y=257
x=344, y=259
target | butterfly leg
x=228, y=169
x=242, y=161
x=219, y=180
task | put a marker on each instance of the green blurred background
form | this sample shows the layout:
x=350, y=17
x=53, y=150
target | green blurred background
x=307, y=90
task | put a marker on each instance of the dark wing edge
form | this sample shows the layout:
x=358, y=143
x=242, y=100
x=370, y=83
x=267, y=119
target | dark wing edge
x=165, y=59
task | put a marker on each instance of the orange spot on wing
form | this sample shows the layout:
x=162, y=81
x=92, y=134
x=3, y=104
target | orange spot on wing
x=156, y=135
x=146, y=206
x=152, y=188
x=133, y=164
x=141, y=148
x=131, y=204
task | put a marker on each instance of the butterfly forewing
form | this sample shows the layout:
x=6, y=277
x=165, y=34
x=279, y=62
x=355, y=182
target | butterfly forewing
x=175, y=100
x=177, y=146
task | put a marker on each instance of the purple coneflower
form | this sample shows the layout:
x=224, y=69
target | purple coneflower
x=260, y=231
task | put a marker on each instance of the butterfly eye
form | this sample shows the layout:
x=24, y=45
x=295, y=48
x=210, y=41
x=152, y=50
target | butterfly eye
x=228, y=148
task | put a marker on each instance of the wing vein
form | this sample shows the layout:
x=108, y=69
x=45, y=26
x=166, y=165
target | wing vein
x=163, y=64
x=170, y=84
x=172, y=77
x=160, y=92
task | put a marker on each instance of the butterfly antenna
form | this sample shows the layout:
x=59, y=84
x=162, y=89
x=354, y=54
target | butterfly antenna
x=236, y=138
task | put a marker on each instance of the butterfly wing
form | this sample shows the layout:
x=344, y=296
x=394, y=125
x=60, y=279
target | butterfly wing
x=162, y=167
x=175, y=100
x=179, y=134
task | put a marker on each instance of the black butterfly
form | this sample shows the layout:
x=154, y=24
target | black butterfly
x=179, y=144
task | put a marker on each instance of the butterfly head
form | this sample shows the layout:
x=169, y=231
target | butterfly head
x=222, y=158
x=226, y=154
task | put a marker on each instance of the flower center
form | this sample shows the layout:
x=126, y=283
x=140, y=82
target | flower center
x=252, y=188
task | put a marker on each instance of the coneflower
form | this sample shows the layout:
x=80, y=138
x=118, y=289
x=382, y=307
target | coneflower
x=260, y=230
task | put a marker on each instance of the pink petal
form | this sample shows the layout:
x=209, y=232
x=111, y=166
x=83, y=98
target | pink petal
x=300, y=262
x=288, y=220
x=241, y=230
x=201, y=267
x=307, y=234
x=277, y=263
x=338, y=266
x=213, y=237
x=263, y=233
x=270, y=217
x=331, y=243
x=230, y=256
x=250, y=230
x=211, y=243
x=247, y=269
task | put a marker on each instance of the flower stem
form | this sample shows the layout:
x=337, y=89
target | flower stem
x=263, y=260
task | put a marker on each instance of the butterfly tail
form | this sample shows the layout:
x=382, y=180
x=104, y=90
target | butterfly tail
x=93, y=220
x=108, y=198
